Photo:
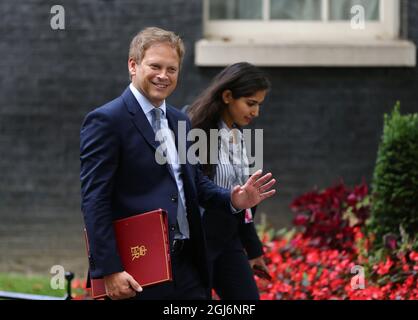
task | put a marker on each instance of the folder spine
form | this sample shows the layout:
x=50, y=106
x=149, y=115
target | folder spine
x=167, y=241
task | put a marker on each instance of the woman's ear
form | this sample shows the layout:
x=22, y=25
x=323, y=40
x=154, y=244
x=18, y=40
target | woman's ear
x=227, y=96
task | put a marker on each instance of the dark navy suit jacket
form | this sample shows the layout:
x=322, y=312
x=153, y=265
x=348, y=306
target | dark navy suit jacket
x=120, y=177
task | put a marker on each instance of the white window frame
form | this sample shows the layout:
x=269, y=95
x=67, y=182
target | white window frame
x=266, y=30
x=284, y=43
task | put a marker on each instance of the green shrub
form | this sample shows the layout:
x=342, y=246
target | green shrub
x=395, y=178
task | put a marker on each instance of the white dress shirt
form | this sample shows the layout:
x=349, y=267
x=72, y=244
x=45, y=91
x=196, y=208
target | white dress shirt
x=173, y=158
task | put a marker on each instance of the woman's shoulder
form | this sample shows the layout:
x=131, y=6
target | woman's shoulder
x=178, y=113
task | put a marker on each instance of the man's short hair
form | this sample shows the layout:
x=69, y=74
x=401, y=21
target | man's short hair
x=149, y=36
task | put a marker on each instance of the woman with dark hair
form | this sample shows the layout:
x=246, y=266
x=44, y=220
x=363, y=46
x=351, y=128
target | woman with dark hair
x=231, y=102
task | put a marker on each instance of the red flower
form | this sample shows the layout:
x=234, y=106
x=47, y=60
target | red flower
x=267, y=296
x=300, y=220
x=322, y=214
x=383, y=268
x=413, y=256
x=312, y=257
x=317, y=263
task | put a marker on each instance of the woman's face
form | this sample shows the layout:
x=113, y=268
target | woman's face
x=243, y=110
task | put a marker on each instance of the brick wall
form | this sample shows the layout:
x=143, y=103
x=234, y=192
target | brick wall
x=321, y=124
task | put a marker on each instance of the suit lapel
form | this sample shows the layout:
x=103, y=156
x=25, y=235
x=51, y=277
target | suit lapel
x=141, y=123
x=185, y=166
x=173, y=124
x=139, y=118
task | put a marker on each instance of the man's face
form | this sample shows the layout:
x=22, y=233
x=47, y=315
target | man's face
x=156, y=75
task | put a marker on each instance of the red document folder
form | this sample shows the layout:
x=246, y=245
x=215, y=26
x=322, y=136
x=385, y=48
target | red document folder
x=142, y=242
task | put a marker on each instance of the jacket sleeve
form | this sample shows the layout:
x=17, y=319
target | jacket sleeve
x=250, y=239
x=99, y=156
x=210, y=195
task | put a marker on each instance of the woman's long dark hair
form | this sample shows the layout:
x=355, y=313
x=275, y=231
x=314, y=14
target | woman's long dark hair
x=243, y=79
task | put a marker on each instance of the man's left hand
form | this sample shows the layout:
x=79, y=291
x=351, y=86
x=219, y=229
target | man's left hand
x=254, y=191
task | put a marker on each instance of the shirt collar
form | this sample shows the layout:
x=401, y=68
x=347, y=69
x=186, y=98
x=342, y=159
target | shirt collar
x=223, y=125
x=144, y=103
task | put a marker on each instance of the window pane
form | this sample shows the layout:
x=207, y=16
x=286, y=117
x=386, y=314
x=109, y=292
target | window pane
x=296, y=9
x=235, y=9
x=341, y=9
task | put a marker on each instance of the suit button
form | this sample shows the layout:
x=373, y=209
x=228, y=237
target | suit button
x=172, y=228
x=174, y=198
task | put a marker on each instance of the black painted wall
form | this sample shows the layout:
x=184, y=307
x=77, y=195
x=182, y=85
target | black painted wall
x=320, y=124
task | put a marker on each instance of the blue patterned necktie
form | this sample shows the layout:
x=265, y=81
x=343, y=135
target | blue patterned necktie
x=183, y=225
x=156, y=119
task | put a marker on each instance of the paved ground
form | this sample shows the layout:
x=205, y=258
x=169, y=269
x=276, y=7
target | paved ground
x=33, y=245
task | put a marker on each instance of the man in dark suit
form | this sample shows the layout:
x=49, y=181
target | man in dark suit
x=120, y=175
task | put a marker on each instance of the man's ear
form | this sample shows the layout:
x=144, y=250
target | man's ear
x=227, y=96
x=132, y=66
